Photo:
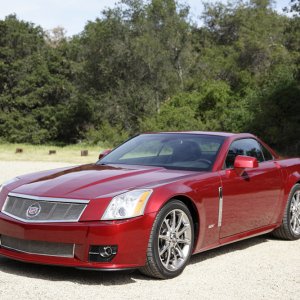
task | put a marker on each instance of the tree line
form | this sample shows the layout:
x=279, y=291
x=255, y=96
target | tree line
x=147, y=66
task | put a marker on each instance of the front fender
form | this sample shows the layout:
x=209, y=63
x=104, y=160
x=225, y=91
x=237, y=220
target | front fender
x=203, y=193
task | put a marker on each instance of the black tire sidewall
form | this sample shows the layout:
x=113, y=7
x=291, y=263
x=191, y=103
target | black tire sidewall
x=174, y=204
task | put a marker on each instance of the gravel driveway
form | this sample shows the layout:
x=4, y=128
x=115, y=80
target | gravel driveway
x=258, y=268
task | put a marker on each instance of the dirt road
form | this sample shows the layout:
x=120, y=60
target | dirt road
x=258, y=268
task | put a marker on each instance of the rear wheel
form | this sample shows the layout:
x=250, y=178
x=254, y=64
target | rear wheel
x=171, y=241
x=290, y=227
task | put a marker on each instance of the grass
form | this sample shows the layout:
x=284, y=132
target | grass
x=69, y=154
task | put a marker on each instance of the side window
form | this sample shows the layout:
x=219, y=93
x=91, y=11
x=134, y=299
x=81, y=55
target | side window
x=267, y=154
x=248, y=147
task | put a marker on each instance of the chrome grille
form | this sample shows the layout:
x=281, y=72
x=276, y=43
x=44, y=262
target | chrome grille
x=35, y=209
x=37, y=247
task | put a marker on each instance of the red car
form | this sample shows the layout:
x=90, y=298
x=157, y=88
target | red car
x=151, y=203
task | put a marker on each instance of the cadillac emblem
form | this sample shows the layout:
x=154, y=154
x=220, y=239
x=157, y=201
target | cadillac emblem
x=33, y=210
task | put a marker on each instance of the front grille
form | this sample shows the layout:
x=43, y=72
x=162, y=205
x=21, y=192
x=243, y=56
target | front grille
x=35, y=209
x=37, y=247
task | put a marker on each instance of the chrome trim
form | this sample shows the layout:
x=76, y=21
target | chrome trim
x=17, y=250
x=220, y=206
x=174, y=242
x=48, y=199
x=43, y=221
x=65, y=200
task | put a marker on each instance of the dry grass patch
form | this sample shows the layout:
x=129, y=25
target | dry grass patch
x=68, y=154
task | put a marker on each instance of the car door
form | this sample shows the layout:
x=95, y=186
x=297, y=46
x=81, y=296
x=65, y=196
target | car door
x=249, y=199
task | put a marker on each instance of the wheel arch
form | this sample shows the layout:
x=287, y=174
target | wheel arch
x=290, y=182
x=285, y=231
x=194, y=213
x=293, y=179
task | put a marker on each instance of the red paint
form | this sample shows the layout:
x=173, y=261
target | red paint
x=253, y=204
x=250, y=199
x=243, y=162
x=104, y=153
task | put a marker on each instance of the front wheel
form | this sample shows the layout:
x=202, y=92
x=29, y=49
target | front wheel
x=171, y=241
x=290, y=227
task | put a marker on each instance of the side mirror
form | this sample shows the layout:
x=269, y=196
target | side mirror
x=243, y=162
x=104, y=153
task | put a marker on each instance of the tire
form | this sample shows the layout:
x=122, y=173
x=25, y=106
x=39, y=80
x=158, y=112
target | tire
x=171, y=243
x=290, y=227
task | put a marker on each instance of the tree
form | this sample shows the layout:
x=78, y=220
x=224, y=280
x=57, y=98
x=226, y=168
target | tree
x=55, y=36
x=134, y=59
x=143, y=65
x=38, y=102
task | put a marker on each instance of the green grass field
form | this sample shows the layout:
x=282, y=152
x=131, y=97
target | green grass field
x=69, y=154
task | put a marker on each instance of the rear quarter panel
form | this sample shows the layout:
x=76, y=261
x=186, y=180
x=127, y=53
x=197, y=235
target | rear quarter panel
x=291, y=175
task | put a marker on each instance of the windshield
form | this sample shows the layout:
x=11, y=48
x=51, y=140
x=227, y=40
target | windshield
x=169, y=150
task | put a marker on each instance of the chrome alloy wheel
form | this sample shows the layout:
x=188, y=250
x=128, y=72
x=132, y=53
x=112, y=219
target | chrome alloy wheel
x=174, y=240
x=295, y=213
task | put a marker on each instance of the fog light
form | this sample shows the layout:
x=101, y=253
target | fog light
x=106, y=252
x=102, y=253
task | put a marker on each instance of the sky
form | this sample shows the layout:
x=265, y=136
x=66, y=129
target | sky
x=74, y=14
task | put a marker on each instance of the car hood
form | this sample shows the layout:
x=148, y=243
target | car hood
x=96, y=181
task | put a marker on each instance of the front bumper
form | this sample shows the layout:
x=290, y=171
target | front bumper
x=131, y=236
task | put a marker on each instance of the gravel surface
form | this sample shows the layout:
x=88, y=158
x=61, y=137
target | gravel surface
x=258, y=268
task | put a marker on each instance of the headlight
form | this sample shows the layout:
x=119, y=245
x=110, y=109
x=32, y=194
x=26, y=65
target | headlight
x=127, y=205
x=8, y=182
